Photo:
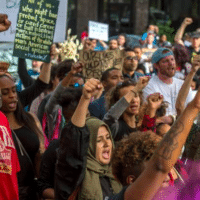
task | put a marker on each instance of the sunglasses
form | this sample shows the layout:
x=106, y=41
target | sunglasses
x=132, y=58
x=76, y=85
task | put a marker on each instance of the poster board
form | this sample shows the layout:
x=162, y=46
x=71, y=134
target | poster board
x=98, y=31
x=35, y=29
x=96, y=62
x=11, y=8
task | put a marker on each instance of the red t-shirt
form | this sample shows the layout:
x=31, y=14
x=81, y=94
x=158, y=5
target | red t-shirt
x=84, y=34
x=9, y=164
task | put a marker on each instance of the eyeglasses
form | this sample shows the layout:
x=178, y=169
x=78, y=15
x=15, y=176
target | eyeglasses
x=132, y=58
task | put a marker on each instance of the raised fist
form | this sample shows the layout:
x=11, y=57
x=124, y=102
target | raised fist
x=4, y=22
x=142, y=83
x=92, y=88
x=196, y=63
x=187, y=21
x=155, y=100
x=76, y=67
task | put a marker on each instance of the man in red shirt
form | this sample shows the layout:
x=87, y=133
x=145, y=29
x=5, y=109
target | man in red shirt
x=9, y=164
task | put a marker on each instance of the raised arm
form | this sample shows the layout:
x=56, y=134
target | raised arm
x=52, y=102
x=183, y=93
x=30, y=93
x=71, y=160
x=91, y=87
x=149, y=120
x=179, y=34
x=45, y=72
x=23, y=73
x=166, y=155
x=103, y=44
x=112, y=116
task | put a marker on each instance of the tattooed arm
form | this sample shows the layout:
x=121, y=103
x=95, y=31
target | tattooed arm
x=166, y=155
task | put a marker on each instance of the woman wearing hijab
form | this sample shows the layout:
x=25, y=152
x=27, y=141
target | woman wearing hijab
x=83, y=168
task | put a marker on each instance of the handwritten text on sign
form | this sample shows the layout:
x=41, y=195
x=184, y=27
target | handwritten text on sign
x=98, y=31
x=96, y=62
x=35, y=29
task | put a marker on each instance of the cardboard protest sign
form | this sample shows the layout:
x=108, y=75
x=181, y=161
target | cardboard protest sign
x=35, y=29
x=96, y=62
x=98, y=31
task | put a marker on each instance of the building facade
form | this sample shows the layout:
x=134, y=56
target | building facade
x=131, y=16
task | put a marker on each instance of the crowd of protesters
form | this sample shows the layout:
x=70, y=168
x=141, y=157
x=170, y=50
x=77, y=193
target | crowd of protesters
x=128, y=135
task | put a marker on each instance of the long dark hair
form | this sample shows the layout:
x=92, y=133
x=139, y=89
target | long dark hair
x=114, y=94
x=26, y=119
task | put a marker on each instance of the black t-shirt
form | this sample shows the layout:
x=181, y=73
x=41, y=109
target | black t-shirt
x=106, y=187
x=119, y=196
x=47, y=167
x=30, y=142
x=124, y=130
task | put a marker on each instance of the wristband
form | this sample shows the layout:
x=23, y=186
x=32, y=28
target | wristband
x=173, y=118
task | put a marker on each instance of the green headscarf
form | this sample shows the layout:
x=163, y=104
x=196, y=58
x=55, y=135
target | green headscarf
x=91, y=187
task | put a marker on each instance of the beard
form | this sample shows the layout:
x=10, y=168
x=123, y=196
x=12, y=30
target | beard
x=130, y=67
x=169, y=73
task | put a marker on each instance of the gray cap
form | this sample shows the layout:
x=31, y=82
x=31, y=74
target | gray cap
x=195, y=34
x=160, y=53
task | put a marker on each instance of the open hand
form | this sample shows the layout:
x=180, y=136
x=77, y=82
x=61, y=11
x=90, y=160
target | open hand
x=4, y=22
x=92, y=88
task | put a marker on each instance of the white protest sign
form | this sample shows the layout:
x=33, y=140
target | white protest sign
x=98, y=31
x=11, y=8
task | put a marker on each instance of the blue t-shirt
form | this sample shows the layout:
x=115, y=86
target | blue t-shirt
x=144, y=36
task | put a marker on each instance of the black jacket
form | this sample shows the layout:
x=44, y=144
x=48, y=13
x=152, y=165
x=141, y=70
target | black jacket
x=71, y=160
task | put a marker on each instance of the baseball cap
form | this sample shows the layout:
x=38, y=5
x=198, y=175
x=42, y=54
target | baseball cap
x=160, y=53
x=195, y=34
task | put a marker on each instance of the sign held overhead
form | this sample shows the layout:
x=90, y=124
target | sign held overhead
x=35, y=29
x=98, y=31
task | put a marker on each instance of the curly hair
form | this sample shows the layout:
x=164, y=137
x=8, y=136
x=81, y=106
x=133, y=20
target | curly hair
x=69, y=100
x=181, y=55
x=63, y=68
x=113, y=96
x=131, y=152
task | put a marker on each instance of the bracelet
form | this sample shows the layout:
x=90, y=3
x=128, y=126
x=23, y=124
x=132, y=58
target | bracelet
x=173, y=118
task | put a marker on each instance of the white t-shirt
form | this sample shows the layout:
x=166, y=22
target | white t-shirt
x=147, y=65
x=169, y=92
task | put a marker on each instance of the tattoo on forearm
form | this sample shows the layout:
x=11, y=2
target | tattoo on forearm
x=197, y=155
x=170, y=142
